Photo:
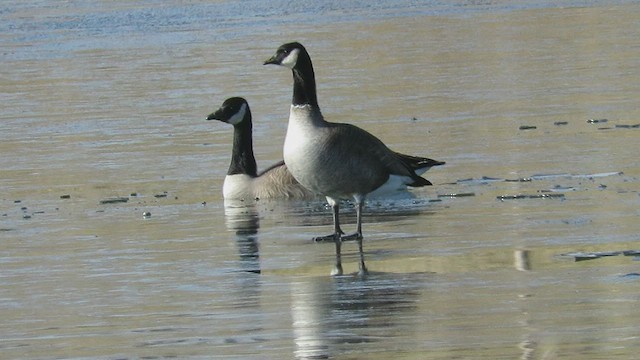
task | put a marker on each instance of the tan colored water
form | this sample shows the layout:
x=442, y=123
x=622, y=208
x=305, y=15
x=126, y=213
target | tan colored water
x=107, y=100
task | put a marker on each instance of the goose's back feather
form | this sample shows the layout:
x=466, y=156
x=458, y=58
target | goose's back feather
x=277, y=182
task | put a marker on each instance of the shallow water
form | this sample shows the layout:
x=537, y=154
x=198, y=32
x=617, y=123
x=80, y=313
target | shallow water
x=107, y=99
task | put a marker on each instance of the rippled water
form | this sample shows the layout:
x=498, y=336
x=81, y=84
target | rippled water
x=105, y=100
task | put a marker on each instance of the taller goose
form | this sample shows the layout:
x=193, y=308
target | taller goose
x=339, y=161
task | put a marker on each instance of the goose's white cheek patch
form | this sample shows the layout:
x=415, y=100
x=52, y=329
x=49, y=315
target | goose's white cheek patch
x=291, y=59
x=237, y=117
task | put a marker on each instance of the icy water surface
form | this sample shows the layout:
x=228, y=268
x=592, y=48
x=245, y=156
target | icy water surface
x=533, y=105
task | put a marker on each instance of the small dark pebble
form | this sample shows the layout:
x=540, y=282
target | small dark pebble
x=561, y=123
x=26, y=216
x=133, y=194
x=482, y=180
x=582, y=256
x=527, y=127
x=24, y=208
x=456, y=195
x=17, y=201
x=414, y=118
x=512, y=197
x=146, y=214
x=597, y=121
x=65, y=196
x=114, y=200
x=586, y=257
x=160, y=195
x=519, y=180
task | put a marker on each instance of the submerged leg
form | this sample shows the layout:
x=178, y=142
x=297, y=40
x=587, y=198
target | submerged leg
x=337, y=269
x=337, y=232
x=360, y=203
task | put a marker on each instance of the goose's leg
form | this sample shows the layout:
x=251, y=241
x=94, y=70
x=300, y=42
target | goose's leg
x=362, y=268
x=337, y=269
x=359, y=199
x=337, y=231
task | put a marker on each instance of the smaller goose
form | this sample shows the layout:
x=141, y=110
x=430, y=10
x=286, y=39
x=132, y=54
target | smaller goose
x=339, y=161
x=243, y=182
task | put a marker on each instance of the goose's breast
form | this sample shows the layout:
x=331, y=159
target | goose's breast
x=238, y=186
x=305, y=156
x=326, y=168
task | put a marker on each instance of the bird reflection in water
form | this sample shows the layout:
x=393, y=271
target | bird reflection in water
x=334, y=315
x=244, y=220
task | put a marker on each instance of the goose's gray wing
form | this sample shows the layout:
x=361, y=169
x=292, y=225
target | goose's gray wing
x=367, y=152
x=419, y=164
x=277, y=182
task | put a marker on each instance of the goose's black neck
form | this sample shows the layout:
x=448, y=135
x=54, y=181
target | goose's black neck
x=304, y=82
x=242, y=159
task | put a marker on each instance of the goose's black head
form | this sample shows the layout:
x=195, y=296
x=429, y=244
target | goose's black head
x=288, y=55
x=233, y=111
x=295, y=57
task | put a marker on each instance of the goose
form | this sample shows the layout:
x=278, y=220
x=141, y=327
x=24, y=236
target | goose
x=276, y=182
x=243, y=182
x=337, y=160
